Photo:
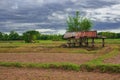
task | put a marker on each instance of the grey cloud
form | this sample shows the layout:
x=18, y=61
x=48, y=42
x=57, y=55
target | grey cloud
x=22, y=15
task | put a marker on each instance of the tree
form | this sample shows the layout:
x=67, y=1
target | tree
x=78, y=23
x=30, y=36
x=14, y=36
x=5, y=37
x=1, y=35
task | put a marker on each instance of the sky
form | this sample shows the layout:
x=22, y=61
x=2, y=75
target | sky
x=49, y=16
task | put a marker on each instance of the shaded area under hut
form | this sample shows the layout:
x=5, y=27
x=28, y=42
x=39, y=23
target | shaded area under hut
x=81, y=38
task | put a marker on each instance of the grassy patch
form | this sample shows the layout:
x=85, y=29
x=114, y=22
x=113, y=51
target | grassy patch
x=100, y=66
x=113, y=68
x=65, y=66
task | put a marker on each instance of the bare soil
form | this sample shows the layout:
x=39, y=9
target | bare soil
x=47, y=57
x=114, y=60
x=52, y=74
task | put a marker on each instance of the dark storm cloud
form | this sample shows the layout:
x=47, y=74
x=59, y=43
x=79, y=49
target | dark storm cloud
x=22, y=15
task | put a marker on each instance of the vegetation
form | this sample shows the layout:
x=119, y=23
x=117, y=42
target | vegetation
x=99, y=65
x=65, y=66
x=52, y=46
x=110, y=35
x=30, y=36
x=13, y=36
x=78, y=23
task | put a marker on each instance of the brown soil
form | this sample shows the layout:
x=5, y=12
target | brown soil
x=52, y=74
x=114, y=60
x=46, y=57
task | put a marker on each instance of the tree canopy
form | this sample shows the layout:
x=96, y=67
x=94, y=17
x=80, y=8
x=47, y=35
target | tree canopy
x=30, y=36
x=78, y=23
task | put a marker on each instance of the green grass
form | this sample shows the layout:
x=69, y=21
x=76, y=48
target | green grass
x=112, y=49
x=65, y=66
x=99, y=65
x=108, y=41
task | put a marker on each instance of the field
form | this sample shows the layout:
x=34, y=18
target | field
x=48, y=60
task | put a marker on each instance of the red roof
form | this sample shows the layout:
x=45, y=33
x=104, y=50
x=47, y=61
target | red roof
x=89, y=34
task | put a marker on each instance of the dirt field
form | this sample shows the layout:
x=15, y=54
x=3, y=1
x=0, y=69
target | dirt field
x=114, y=60
x=47, y=57
x=52, y=74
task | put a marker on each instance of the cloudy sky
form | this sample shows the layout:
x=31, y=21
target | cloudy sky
x=49, y=16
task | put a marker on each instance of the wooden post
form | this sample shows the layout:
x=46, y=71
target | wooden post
x=92, y=42
x=80, y=42
x=87, y=42
x=69, y=42
x=73, y=42
x=103, y=42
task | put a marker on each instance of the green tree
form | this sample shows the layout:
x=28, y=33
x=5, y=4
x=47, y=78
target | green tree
x=5, y=37
x=31, y=36
x=1, y=35
x=78, y=23
x=14, y=35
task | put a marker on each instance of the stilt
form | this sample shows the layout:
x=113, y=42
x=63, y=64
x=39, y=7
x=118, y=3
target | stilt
x=103, y=42
x=92, y=42
x=87, y=42
x=69, y=43
x=80, y=42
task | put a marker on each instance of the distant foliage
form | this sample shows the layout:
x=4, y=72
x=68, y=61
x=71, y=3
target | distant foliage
x=14, y=36
x=78, y=23
x=110, y=35
x=54, y=37
x=30, y=36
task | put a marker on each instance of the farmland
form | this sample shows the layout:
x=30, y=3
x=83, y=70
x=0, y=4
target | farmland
x=48, y=60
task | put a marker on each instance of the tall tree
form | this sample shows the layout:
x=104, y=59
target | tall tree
x=1, y=35
x=78, y=23
x=31, y=36
x=14, y=35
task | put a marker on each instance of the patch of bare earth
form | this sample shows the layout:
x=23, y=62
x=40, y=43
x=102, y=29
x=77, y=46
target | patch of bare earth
x=52, y=74
x=114, y=60
x=46, y=57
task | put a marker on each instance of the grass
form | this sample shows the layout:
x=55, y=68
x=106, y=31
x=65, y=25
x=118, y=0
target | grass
x=97, y=64
x=40, y=47
x=93, y=65
x=65, y=66
x=48, y=45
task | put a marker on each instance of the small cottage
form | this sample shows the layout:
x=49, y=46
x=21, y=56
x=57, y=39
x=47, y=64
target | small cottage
x=81, y=38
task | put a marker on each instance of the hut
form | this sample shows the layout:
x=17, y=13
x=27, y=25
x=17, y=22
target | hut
x=81, y=38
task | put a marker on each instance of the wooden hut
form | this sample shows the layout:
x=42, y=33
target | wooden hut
x=81, y=38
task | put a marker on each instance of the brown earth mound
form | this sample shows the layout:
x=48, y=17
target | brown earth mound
x=114, y=60
x=46, y=57
x=52, y=74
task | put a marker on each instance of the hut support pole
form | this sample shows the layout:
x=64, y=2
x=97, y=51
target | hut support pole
x=69, y=42
x=80, y=42
x=103, y=42
x=87, y=42
x=92, y=42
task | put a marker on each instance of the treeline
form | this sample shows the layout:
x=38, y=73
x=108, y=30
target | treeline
x=110, y=35
x=29, y=34
x=35, y=35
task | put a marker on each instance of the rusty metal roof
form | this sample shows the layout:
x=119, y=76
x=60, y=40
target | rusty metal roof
x=89, y=34
x=69, y=34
